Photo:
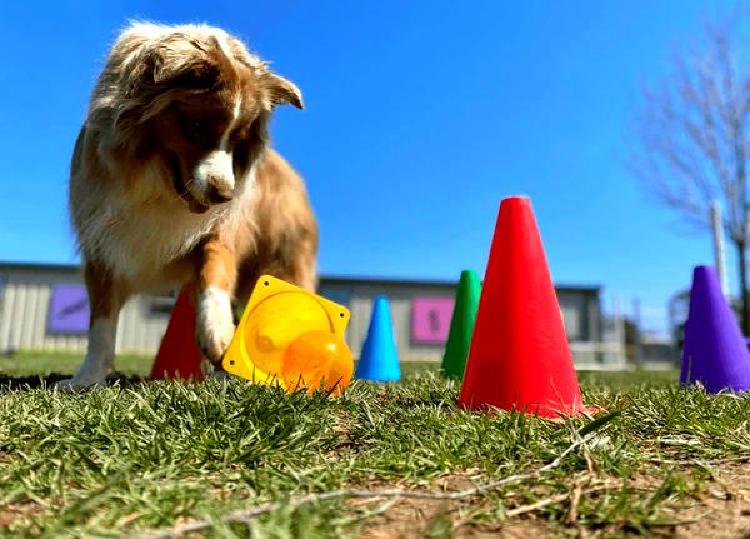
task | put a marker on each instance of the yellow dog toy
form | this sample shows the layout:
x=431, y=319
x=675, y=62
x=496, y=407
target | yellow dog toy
x=291, y=337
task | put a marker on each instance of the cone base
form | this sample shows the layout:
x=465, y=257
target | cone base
x=179, y=377
x=188, y=371
x=377, y=377
x=377, y=380
x=547, y=411
x=723, y=388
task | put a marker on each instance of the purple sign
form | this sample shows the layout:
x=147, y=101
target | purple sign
x=430, y=320
x=68, y=309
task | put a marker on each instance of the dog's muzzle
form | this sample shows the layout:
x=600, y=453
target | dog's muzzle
x=181, y=188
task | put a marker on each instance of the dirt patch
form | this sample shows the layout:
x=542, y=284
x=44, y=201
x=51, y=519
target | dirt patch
x=722, y=510
x=412, y=519
x=17, y=511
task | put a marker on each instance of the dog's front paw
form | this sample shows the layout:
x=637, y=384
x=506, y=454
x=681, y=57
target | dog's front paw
x=215, y=326
x=80, y=383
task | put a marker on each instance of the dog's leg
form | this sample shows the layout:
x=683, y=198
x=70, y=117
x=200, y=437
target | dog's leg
x=106, y=297
x=300, y=268
x=304, y=270
x=217, y=274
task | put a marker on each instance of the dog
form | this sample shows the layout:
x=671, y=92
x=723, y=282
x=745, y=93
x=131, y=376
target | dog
x=173, y=183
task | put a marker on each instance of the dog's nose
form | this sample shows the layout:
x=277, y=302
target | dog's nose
x=216, y=195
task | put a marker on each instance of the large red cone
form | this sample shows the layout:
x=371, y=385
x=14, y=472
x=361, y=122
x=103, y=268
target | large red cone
x=179, y=356
x=519, y=356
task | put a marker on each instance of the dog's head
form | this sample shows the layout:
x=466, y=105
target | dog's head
x=196, y=100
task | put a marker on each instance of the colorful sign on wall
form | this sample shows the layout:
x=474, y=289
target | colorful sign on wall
x=430, y=319
x=68, y=309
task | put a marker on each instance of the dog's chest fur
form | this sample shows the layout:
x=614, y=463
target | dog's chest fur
x=138, y=242
x=138, y=235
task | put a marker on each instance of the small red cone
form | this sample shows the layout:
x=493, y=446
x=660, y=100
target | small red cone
x=179, y=356
x=519, y=356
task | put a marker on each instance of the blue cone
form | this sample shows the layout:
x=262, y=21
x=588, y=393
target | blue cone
x=378, y=360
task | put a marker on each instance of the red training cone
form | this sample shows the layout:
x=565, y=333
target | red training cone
x=179, y=356
x=519, y=356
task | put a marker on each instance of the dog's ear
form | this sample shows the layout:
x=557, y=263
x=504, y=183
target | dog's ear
x=188, y=69
x=282, y=91
x=176, y=63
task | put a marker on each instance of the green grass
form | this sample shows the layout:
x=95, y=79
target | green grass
x=622, y=380
x=26, y=363
x=125, y=459
x=29, y=363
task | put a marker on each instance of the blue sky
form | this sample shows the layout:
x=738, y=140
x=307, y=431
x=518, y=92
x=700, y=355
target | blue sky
x=420, y=117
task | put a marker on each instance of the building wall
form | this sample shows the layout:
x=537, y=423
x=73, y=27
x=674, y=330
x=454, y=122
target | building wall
x=24, y=315
x=360, y=298
x=580, y=309
x=26, y=292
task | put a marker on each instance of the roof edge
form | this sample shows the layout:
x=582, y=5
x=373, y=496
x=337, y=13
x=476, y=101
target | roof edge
x=368, y=280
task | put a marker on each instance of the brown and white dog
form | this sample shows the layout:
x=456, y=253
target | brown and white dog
x=172, y=183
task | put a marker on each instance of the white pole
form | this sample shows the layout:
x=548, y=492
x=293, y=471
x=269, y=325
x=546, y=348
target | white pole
x=719, y=253
x=619, y=324
x=637, y=336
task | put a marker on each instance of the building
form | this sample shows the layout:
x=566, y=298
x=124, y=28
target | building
x=43, y=307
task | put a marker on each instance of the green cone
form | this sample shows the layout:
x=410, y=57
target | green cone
x=462, y=325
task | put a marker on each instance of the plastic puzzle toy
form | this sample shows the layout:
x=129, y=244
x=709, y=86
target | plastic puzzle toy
x=291, y=337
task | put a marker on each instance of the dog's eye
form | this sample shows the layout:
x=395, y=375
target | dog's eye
x=198, y=131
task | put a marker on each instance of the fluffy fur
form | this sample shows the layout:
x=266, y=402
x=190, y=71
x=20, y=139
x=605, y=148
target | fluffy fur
x=173, y=183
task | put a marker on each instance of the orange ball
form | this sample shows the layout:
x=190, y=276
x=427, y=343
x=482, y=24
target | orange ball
x=317, y=359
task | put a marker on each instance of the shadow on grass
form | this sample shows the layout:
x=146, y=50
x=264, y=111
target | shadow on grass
x=48, y=381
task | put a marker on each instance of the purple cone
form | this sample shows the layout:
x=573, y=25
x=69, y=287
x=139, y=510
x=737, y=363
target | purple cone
x=715, y=352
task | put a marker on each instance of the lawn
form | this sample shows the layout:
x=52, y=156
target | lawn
x=29, y=363
x=229, y=459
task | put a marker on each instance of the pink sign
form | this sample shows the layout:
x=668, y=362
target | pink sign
x=430, y=319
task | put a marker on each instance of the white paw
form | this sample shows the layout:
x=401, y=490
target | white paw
x=99, y=358
x=79, y=383
x=215, y=326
